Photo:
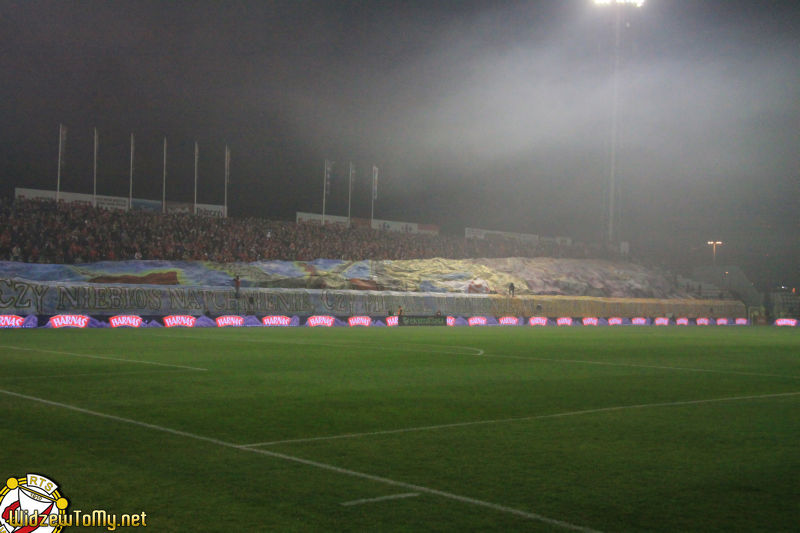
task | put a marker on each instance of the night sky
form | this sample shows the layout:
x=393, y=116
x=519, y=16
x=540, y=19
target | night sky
x=494, y=115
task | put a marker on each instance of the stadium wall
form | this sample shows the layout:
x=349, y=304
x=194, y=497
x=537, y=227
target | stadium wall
x=27, y=297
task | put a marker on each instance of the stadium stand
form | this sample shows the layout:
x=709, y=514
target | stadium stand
x=44, y=232
x=37, y=231
x=784, y=304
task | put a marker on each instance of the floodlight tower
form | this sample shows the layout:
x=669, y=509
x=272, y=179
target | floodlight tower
x=714, y=245
x=618, y=6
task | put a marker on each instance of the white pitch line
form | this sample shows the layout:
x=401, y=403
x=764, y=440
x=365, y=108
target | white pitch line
x=90, y=374
x=518, y=419
x=394, y=346
x=323, y=466
x=635, y=365
x=481, y=353
x=105, y=357
x=381, y=499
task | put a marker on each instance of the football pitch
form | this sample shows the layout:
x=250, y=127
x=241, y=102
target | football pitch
x=411, y=429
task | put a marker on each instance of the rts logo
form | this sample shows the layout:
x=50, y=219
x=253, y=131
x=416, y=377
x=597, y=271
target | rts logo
x=31, y=503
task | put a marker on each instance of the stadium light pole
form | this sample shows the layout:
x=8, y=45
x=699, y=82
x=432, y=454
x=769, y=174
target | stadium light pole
x=130, y=181
x=619, y=5
x=94, y=170
x=714, y=245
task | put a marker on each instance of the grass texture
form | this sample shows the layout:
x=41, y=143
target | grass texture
x=412, y=429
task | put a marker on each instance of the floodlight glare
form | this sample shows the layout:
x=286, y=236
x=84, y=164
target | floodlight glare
x=714, y=245
x=637, y=3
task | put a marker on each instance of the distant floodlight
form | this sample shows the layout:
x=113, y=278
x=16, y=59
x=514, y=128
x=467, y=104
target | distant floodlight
x=637, y=3
x=714, y=245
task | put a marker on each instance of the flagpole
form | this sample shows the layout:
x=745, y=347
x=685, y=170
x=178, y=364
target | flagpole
x=325, y=189
x=196, y=153
x=60, y=149
x=164, y=180
x=227, y=178
x=94, y=171
x=130, y=186
x=349, y=192
x=374, y=193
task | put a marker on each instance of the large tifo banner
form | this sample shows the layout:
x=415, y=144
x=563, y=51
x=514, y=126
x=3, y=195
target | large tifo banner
x=530, y=276
x=23, y=297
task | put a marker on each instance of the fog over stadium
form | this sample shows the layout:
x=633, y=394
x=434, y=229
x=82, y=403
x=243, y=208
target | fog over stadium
x=493, y=115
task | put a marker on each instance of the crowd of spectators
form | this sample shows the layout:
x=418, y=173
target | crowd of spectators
x=37, y=231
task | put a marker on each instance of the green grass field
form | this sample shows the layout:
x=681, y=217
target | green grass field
x=406, y=429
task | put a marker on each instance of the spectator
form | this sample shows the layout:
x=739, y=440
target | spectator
x=46, y=232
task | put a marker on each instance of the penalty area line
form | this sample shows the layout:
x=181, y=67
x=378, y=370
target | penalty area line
x=92, y=374
x=636, y=365
x=518, y=419
x=103, y=357
x=381, y=499
x=316, y=464
x=402, y=347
